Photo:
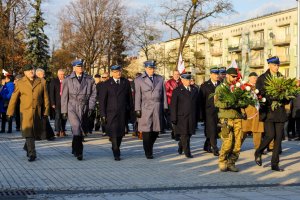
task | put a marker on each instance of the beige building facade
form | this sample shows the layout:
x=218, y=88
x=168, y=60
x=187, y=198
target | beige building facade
x=249, y=43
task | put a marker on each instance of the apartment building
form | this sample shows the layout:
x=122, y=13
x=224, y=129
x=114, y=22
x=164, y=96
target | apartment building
x=249, y=43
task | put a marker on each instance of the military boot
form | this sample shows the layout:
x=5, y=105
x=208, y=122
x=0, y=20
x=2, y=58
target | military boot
x=232, y=168
x=223, y=167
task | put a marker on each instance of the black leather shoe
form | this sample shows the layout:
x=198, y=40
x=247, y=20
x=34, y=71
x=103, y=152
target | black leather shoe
x=189, y=156
x=149, y=157
x=117, y=158
x=180, y=150
x=216, y=152
x=276, y=168
x=79, y=157
x=31, y=158
x=258, y=160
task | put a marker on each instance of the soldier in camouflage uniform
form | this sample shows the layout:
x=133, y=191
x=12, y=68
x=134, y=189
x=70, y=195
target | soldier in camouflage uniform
x=231, y=131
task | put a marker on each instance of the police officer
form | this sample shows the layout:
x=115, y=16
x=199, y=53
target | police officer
x=150, y=102
x=77, y=104
x=33, y=95
x=209, y=113
x=222, y=73
x=273, y=120
x=184, y=107
x=231, y=131
x=115, y=107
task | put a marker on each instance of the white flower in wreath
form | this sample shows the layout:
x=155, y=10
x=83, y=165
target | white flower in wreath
x=238, y=84
x=263, y=99
x=256, y=91
x=244, y=82
x=248, y=88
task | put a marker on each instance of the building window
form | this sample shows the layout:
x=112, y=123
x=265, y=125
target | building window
x=287, y=30
x=287, y=51
x=286, y=72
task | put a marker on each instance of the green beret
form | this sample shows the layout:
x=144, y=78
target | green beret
x=252, y=74
x=27, y=68
x=232, y=71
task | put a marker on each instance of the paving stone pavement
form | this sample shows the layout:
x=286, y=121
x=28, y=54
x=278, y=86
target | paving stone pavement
x=56, y=172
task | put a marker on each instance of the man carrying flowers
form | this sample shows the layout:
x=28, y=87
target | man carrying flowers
x=278, y=92
x=230, y=98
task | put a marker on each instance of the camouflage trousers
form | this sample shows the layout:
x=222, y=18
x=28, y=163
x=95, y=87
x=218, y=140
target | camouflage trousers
x=231, y=135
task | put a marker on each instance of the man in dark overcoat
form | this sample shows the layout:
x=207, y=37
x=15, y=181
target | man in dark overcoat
x=184, y=111
x=209, y=113
x=150, y=102
x=55, y=100
x=99, y=87
x=34, y=106
x=273, y=120
x=115, y=107
x=77, y=103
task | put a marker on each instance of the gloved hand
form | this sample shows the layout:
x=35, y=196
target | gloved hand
x=138, y=114
x=90, y=112
x=8, y=118
x=103, y=120
x=64, y=116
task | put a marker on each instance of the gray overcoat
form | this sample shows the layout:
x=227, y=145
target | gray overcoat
x=151, y=100
x=76, y=99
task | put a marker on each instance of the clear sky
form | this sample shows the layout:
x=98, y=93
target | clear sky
x=245, y=9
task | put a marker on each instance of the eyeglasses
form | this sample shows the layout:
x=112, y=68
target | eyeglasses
x=104, y=77
x=233, y=76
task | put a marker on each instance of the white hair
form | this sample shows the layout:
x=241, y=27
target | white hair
x=39, y=70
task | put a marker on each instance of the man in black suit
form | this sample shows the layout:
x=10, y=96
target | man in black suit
x=273, y=119
x=184, y=111
x=209, y=113
x=115, y=106
x=55, y=102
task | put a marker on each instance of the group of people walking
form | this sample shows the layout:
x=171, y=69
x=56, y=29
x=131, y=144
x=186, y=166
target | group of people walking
x=75, y=98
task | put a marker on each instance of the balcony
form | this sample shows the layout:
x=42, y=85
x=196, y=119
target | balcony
x=282, y=41
x=284, y=60
x=234, y=48
x=256, y=64
x=257, y=45
x=199, y=54
x=216, y=51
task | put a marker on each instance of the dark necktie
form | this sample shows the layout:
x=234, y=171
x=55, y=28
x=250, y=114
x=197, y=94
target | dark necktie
x=117, y=82
x=151, y=78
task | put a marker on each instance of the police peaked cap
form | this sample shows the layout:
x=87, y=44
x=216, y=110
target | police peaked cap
x=115, y=67
x=214, y=70
x=222, y=70
x=186, y=75
x=274, y=60
x=150, y=63
x=77, y=63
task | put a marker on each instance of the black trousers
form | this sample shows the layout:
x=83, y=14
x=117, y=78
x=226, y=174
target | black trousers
x=77, y=145
x=273, y=130
x=60, y=123
x=184, y=144
x=29, y=146
x=149, y=139
x=115, y=145
x=4, y=120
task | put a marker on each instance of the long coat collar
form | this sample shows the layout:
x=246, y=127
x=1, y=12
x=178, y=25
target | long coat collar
x=148, y=81
x=117, y=88
x=36, y=81
x=76, y=84
x=186, y=92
